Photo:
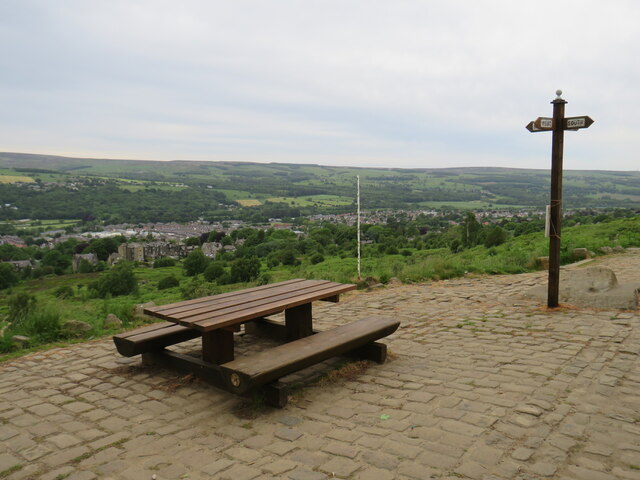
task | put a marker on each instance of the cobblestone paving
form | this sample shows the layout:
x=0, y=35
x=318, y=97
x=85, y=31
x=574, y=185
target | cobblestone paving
x=482, y=384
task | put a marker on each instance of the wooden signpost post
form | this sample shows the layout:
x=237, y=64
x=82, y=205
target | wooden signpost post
x=558, y=124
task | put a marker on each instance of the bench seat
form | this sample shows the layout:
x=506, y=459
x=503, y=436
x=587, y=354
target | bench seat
x=246, y=373
x=151, y=338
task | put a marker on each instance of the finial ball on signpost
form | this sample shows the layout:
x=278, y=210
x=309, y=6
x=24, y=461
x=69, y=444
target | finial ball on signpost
x=559, y=93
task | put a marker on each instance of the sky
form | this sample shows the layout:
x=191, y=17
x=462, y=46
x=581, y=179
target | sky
x=415, y=84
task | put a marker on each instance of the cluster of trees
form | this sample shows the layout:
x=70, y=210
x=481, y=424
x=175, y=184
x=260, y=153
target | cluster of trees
x=57, y=260
x=109, y=203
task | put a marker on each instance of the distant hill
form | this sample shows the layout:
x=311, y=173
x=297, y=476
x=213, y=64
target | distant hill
x=322, y=188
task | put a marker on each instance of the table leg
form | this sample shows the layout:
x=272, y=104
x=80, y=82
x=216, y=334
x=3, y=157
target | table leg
x=298, y=322
x=217, y=346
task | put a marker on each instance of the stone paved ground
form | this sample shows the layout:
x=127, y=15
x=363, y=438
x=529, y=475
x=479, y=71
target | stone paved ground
x=482, y=385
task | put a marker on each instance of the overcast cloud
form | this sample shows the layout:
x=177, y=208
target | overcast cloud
x=363, y=83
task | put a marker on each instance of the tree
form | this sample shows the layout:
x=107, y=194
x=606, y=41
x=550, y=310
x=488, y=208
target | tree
x=102, y=247
x=470, y=230
x=195, y=263
x=192, y=242
x=245, y=269
x=8, y=276
x=57, y=260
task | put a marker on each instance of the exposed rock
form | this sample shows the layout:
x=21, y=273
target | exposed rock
x=20, y=340
x=595, y=287
x=75, y=328
x=112, y=321
x=606, y=250
x=543, y=262
x=394, y=281
x=592, y=279
x=138, y=311
x=618, y=249
x=580, y=253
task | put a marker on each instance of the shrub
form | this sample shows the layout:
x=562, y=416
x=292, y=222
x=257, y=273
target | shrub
x=168, y=282
x=495, y=236
x=273, y=260
x=8, y=276
x=85, y=267
x=164, y=262
x=120, y=280
x=213, y=271
x=20, y=305
x=42, y=323
x=316, y=258
x=288, y=257
x=63, y=291
x=196, y=288
x=406, y=252
x=42, y=271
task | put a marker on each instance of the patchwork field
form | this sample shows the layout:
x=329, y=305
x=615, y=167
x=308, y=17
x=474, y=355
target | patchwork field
x=15, y=179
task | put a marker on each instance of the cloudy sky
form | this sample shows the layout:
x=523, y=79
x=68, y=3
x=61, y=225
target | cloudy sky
x=364, y=82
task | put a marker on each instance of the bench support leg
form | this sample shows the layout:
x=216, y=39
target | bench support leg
x=374, y=351
x=275, y=394
x=217, y=346
x=298, y=321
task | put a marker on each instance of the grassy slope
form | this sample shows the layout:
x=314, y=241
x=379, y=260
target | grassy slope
x=516, y=256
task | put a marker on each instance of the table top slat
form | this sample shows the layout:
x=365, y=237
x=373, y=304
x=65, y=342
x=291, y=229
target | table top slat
x=162, y=308
x=214, y=304
x=269, y=308
x=249, y=305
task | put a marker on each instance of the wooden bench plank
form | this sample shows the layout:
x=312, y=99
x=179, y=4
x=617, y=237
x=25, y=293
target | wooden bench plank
x=153, y=337
x=249, y=372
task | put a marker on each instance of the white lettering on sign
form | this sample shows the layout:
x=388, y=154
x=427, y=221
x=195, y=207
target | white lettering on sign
x=576, y=122
x=546, y=123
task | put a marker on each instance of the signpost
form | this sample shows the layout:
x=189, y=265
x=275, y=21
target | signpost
x=558, y=124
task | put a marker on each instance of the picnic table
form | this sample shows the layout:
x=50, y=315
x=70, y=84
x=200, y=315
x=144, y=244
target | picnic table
x=216, y=318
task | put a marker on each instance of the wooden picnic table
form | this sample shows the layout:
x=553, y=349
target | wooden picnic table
x=218, y=316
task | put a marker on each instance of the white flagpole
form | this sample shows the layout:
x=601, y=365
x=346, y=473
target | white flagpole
x=358, y=185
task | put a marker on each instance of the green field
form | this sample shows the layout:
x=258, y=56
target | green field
x=309, y=186
x=50, y=224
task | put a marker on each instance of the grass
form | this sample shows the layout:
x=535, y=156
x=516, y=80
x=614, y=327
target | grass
x=9, y=471
x=249, y=202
